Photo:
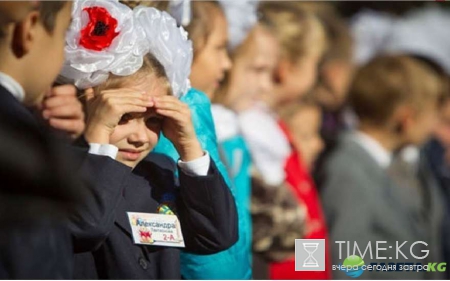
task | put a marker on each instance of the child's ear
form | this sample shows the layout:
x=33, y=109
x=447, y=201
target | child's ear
x=25, y=34
x=280, y=71
x=404, y=119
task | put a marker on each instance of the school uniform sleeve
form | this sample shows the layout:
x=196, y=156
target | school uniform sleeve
x=207, y=212
x=103, y=149
x=197, y=167
x=103, y=180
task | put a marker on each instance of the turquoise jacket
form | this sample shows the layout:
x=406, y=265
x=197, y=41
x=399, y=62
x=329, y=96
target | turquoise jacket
x=233, y=263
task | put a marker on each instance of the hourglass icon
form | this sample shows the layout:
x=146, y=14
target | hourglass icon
x=311, y=248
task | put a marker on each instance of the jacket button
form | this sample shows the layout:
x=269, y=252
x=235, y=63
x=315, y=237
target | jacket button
x=143, y=263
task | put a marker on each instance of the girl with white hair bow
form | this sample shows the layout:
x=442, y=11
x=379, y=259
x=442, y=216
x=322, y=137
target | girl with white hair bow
x=134, y=65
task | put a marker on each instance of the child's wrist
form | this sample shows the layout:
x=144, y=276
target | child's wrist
x=190, y=151
x=96, y=135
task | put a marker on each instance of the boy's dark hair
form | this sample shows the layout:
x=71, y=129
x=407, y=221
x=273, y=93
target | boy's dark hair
x=48, y=11
x=389, y=81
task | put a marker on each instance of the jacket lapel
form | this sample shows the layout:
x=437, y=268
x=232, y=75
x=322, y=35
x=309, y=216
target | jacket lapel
x=140, y=195
x=388, y=190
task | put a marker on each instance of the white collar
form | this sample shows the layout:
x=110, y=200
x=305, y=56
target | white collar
x=381, y=155
x=12, y=86
x=225, y=122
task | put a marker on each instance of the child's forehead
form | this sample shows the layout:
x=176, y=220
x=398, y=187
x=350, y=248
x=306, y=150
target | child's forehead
x=150, y=84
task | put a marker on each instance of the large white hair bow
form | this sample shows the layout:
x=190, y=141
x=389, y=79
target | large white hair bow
x=241, y=17
x=108, y=37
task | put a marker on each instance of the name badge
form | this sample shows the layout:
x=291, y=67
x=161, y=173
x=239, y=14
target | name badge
x=156, y=229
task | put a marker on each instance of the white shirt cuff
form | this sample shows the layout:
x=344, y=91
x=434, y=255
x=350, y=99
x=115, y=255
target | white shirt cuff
x=103, y=150
x=197, y=167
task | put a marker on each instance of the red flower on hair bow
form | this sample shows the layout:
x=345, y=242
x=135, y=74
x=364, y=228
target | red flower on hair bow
x=100, y=31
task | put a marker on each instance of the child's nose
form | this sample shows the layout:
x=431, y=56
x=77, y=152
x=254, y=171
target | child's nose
x=266, y=85
x=140, y=135
x=227, y=62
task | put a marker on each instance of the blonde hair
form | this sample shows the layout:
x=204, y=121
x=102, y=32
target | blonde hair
x=242, y=49
x=202, y=22
x=151, y=66
x=298, y=31
x=389, y=81
x=339, y=39
x=289, y=111
x=160, y=5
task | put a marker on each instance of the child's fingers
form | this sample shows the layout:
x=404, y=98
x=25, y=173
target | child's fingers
x=57, y=101
x=68, y=125
x=166, y=98
x=171, y=105
x=68, y=111
x=135, y=98
x=123, y=90
x=131, y=100
x=129, y=108
x=63, y=90
x=173, y=114
x=125, y=93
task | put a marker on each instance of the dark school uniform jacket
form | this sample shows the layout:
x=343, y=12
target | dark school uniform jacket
x=54, y=200
x=204, y=206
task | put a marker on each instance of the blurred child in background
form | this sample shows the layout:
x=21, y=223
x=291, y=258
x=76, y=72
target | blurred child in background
x=302, y=43
x=334, y=77
x=438, y=148
x=437, y=152
x=301, y=122
x=207, y=25
x=302, y=119
x=294, y=75
x=335, y=74
x=254, y=53
x=395, y=98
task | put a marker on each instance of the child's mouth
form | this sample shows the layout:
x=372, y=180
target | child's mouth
x=130, y=155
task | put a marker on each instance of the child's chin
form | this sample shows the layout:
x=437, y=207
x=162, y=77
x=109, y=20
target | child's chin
x=131, y=164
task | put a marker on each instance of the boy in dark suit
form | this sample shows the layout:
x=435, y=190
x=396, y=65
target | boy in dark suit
x=395, y=98
x=34, y=243
x=42, y=219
